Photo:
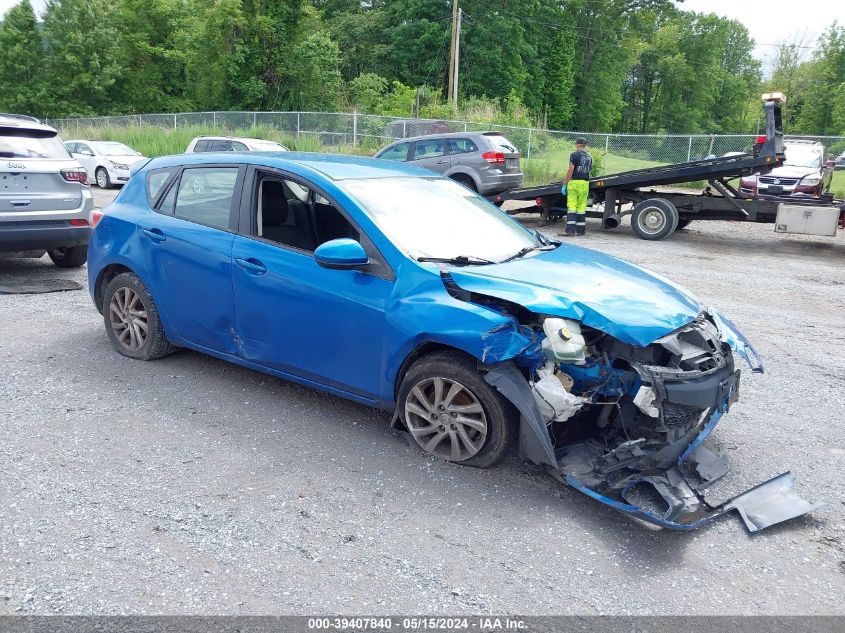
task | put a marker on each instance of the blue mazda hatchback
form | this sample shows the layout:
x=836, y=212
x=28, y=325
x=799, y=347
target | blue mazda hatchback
x=392, y=286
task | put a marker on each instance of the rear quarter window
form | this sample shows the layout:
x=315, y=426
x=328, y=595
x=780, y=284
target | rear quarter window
x=156, y=180
x=461, y=145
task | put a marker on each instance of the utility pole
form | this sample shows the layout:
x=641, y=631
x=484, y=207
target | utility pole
x=450, y=86
x=457, y=63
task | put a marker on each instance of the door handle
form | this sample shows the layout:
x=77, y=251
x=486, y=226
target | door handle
x=252, y=265
x=20, y=203
x=154, y=234
x=442, y=162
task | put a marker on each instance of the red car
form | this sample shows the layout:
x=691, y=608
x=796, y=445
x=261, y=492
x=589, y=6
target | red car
x=805, y=173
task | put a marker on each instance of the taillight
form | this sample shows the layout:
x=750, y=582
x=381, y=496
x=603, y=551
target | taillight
x=75, y=175
x=78, y=222
x=494, y=158
x=539, y=202
x=96, y=216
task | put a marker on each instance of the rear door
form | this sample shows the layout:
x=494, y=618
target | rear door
x=431, y=154
x=31, y=180
x=187, y=250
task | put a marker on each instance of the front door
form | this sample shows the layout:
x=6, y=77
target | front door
x=187, y=246
x=325, y=326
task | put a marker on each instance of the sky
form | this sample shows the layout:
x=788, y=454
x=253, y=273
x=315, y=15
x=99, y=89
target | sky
x=773, y=21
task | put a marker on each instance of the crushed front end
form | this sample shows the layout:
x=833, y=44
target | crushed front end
x=624, y=424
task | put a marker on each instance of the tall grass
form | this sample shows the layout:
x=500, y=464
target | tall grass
x=155, y=141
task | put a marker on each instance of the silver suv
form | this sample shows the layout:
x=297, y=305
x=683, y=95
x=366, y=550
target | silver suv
x=485, y=162
x=45, y=200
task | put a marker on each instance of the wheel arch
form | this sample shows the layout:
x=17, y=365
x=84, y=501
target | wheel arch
x=104, y=277
x=460, y=173
x=424, y=349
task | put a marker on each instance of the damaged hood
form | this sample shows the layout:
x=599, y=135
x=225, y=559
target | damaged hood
x=621, y=299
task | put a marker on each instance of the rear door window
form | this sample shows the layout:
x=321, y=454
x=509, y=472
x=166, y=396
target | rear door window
x=205, y=195
x=429, y=148
x=220, y=146
x=17, y=143
x=398, y=153
x=461, y=145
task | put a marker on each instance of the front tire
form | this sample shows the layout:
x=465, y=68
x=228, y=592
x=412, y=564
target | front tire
x=70, y=257
x=452, y=413
x=654, y=219
x=132, y=321
x=102, y=177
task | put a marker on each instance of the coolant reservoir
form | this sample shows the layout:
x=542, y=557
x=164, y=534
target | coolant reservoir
x=564, y=342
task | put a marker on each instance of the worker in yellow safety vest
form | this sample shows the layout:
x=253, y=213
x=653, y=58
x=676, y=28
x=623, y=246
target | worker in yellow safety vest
x=576, y=187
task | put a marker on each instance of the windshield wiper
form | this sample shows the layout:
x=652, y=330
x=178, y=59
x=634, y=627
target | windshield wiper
x=466, y=260
x=524, y=251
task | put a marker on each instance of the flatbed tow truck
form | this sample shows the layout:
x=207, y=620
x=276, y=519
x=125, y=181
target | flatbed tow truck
x=656, y=214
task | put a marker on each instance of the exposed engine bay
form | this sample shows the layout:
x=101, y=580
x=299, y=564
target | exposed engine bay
x=624, y=424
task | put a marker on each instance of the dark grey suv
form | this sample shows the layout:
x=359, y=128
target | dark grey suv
x=486, y=162
x=45, y=201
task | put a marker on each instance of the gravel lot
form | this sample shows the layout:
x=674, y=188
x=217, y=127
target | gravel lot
x=189, y=485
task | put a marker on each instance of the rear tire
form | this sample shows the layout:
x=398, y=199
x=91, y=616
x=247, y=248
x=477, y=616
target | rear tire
x=466, y=181
x=132, y=321
x=654, y=219
x=70, y=257
x=102, y=177
x=452, y=413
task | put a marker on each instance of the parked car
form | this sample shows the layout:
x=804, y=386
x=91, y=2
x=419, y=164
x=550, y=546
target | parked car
x=233, y=144
x=393, y=286
x=839, y=162
x=109, y=161
x=45, y=201
x=804, y=173
x=485, y=162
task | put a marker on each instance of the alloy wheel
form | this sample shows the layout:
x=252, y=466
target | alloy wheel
x=446, y=419
x=102, y=179
x=128, y=318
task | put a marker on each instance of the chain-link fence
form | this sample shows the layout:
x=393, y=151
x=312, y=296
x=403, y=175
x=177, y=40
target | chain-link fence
x=366, y=133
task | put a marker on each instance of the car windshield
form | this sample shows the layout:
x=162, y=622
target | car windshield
x=24, y=144
x=439, y=218
x=112, y=148
x=268, y=146
x=803, y=156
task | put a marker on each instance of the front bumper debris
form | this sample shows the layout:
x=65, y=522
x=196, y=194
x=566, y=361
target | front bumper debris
x=665, y=487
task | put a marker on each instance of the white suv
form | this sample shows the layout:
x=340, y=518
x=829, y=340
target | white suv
x=233, y=144
x=45, y=201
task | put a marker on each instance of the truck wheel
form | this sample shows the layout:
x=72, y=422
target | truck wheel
x=654, y=219
x=70, y=257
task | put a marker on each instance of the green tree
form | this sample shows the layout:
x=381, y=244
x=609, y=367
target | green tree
x=81, y=65
x=821, y=114
x=21, y=61
x=151, y=52
x=314, y=79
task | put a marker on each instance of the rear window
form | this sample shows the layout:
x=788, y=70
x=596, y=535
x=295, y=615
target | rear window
x=201, y=146
x=500, y=142
x=16, y=143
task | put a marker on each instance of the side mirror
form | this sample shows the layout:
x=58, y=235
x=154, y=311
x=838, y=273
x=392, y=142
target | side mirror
x=341, y=254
